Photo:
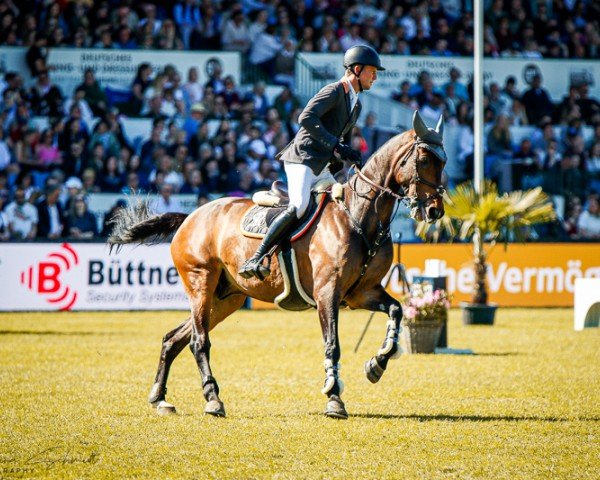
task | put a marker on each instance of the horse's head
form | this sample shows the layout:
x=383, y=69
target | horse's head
x=419, y=171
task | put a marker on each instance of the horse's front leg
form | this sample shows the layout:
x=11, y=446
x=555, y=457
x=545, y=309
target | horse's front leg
x=328, y=308
x=378, y=300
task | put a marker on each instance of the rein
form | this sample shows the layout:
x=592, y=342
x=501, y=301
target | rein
x=403, y=197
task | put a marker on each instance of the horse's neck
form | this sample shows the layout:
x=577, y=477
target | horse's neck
x=361, y=198
x=378, y=167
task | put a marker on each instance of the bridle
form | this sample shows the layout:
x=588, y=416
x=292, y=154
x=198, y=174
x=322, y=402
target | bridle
x=411, y=201
x=423, y=137
x=383, y=230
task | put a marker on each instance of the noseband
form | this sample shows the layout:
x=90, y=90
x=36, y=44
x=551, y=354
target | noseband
x=403, y=197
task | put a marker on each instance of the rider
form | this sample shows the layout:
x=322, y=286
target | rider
x=326, y=125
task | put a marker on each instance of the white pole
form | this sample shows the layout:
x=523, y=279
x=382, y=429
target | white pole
x=478, y=95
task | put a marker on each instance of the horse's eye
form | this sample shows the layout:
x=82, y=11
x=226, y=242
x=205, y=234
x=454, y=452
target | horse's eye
x=424, y=161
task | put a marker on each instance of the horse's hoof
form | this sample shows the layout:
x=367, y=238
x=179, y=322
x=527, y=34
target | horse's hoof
x=373, y=371
x=215, y=408
x=165, y=408
x=336, y=409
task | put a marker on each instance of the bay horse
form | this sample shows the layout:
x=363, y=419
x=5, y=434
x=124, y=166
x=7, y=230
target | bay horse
x=342, y=259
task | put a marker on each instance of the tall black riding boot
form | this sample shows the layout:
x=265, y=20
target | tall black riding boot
x=253, y=267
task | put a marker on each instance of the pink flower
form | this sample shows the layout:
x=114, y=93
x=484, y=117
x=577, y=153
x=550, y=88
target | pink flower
x=418, y=302
x=424, y=305
x=428, y=298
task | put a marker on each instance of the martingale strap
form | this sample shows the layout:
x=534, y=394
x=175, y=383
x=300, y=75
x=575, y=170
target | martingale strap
x=381, y=237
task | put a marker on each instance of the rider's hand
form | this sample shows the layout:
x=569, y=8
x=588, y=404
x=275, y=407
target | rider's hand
x=348, y=153
x=335, y=165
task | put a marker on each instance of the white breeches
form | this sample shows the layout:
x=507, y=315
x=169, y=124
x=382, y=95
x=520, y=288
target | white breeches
x=300, y=180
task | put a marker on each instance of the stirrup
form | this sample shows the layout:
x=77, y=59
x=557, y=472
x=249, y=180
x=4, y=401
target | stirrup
x=254, y=268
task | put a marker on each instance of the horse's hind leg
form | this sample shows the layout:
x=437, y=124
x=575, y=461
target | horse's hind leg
x=175, y=341
x=378, y=300
x=172, y=345
x=201, y=284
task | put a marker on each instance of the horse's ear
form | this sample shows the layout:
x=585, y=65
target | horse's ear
x=439, y=128
x=419, y=125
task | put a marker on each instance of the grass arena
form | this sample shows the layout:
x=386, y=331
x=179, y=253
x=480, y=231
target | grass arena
x=524, y=404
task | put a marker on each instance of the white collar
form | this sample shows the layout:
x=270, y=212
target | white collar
x=353, y=94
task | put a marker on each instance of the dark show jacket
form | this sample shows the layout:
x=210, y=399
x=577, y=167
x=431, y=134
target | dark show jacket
x=325, y=119
x=44, y=218
x=85, y=223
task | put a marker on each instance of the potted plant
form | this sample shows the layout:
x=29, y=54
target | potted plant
x=424, y=314
x=484, y=218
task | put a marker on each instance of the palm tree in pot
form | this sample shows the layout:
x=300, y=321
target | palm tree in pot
x=485, y=218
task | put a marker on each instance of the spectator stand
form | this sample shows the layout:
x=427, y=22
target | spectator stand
x=412, y=38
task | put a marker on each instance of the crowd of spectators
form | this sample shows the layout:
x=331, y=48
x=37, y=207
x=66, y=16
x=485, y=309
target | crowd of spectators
x=204, y=139
x=270, y=31
x=214, y=138
x=560, y=151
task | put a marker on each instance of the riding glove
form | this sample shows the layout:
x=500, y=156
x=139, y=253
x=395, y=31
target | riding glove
x=348, y=153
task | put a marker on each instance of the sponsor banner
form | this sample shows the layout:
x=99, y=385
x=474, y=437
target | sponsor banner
x=557, y=74
x=72, y=276
x=83, y=276
x=117, y=68
x=536, y=274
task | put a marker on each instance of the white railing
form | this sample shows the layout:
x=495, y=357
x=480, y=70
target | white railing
x=390, y=114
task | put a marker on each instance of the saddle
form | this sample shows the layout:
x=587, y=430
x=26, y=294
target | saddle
x=276, y=197
x=269, y=204
x=256, y=221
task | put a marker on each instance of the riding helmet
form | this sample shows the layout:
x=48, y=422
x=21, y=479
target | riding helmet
x=362, y=55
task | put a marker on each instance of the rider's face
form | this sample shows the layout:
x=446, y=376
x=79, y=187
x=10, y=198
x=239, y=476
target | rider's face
x=368, y=76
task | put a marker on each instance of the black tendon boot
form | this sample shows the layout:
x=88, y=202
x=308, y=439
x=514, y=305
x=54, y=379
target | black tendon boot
x=253, y=267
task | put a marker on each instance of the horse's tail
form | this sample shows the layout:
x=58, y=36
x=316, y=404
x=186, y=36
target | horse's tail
x=137, y=224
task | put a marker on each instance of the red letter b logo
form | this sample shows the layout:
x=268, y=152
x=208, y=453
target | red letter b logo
x=48, y=277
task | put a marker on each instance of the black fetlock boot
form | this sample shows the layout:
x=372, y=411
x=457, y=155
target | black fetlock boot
x=253, y=267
